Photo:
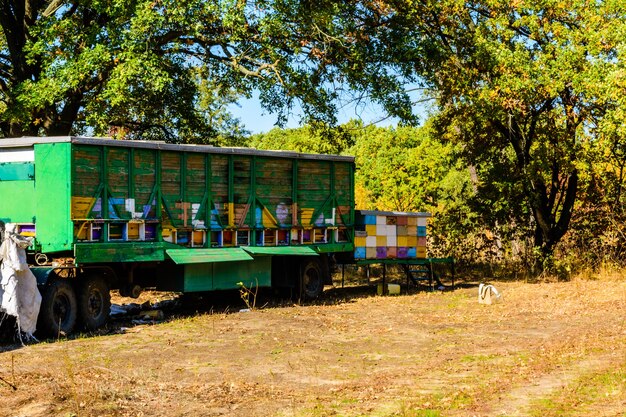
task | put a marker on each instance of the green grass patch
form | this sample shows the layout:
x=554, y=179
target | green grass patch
x=606, y=389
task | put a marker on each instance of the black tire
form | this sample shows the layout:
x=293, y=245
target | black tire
x=311, y=280
x=57, y=314
x=94, y=302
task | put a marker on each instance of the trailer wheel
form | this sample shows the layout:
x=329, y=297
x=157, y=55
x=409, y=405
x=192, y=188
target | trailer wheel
x=94, y=302
x=57, y=314
x=311, y=280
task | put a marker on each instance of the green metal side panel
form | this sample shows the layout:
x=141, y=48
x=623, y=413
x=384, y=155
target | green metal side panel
x=226, y=275
x=335, y=247
x=195, y=256
x=120, y=252
x=251, y=274
x=199, y=277
x=280, y=250
x=53, y=196
x=17, y=201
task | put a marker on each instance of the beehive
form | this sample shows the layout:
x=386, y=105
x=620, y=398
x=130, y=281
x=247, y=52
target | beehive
x=390, y=235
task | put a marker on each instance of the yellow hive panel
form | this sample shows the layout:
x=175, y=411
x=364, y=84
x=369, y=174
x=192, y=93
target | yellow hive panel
x=198, y=237
x=81, y=231
x=306, y=216
x=421, y=251
x=370, y=229
x=403, y=241
x=381, y=240
x=81, y=206
x=412, y=221
x=412, y=241
x=133, y=231
x=359, y=241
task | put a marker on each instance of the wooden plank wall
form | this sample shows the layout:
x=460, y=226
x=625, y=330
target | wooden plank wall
x=146, y=191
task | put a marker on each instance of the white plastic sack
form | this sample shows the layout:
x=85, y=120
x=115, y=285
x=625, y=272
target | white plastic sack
x=488, y=294
x=19, y=296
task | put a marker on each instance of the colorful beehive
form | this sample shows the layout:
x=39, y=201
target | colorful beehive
x=390, y=235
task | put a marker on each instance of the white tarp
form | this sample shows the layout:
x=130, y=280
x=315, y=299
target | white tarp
x=19, y=296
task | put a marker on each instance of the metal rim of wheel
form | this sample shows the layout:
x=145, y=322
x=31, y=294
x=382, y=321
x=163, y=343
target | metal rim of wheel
x=312, y=281
x=95, y=302
x=61, y=308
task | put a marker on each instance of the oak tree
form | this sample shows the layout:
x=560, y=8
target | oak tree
x=139, y=65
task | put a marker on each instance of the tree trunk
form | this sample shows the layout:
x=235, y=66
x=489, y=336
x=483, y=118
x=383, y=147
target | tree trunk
x=551, y=218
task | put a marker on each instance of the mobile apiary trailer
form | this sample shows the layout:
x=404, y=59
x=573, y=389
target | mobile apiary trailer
x=109, y=214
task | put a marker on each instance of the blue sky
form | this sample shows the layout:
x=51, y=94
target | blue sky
x=258, y=120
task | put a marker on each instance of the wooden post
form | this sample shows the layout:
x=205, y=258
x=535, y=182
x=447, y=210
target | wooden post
x=385, y=292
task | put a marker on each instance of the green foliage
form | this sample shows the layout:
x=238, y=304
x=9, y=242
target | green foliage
x=167, y=69
x=403, y=169
x=248, y=294
x=520, y=85
x=308, y=139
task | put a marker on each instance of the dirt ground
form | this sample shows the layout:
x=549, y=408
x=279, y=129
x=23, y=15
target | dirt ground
x=550, y=349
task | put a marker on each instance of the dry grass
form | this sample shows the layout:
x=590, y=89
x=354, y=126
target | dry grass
x=547, y=349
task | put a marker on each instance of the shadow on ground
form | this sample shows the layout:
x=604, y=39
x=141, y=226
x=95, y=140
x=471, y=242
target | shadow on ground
x=130, y=314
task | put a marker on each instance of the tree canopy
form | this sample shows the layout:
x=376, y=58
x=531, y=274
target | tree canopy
x=164, y=68
x=523, y=85
x=530, y=93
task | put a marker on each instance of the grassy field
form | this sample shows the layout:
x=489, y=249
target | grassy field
x=550, y=349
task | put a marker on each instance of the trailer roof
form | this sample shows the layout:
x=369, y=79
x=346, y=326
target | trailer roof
x=148, y=144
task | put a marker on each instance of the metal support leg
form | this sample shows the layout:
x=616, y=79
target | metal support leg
x=385, y=280
x=343, y=270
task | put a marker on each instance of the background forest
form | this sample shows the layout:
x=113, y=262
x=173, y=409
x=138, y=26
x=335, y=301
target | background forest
x=479, y=216
x=521, y=162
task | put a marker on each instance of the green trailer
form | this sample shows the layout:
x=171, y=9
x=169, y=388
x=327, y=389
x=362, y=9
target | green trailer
x=109, y=214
